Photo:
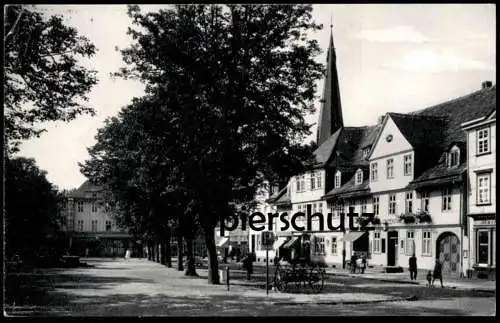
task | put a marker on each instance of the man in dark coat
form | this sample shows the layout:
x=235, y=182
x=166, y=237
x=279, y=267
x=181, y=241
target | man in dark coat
x=413, y=267
x=438, y=273
x=248, y=264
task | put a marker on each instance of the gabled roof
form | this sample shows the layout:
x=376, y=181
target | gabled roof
x=420, y=131
x=350, y=189
x=439, y=175
x=276, y=195
x=85, y=187
x=322, y=153
x=460, y=110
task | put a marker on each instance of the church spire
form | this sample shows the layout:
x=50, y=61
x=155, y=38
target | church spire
x=330, y=116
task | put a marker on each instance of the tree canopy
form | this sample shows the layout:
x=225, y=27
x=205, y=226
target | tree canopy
x=43, y=78
x=229, y=87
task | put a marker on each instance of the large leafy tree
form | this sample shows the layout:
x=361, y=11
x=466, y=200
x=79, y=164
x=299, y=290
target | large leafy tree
x=43, y=78
x=31, y=209
x=238, y=80
x=133, y=160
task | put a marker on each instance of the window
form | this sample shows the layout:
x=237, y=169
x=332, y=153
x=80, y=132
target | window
x=71, y=225
x=363, y=206
x=337, y=180
x=314, y=208
x=320, y=208
x=366, y=151
x=359, y=177
x=319, y=245
x=426, y=243
x=374, y=172
x=94, y=207
x=483, y=247
x=80, y=206
x=108, y=225
x=425, y=201
x=410, y=243
x=63, y=221
x=402, y=248
x=409, y=202
x=301, y=183
x=454, y=158
x=376, y=242
x=94, y=225
x=446, y=194
x=408, y=165
x=390, y=168
x=334, y=246
x=315, y=181
x=376, y=203
x=483, y=189
x=339, y=208
x=392, y=204
x=79, y=225
x=483, y=141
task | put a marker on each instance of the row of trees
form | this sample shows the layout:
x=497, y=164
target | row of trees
x=43, y=81
x=227, y=90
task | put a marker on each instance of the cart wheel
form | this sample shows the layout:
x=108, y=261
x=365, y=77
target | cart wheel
x=316, y=278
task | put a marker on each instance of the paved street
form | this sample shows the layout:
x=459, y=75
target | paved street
x=140, y=287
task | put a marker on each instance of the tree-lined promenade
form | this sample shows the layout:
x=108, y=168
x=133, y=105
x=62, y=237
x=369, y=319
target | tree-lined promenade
x=227, y=90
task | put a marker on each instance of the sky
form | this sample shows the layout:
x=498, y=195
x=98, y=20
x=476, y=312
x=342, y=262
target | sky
x=390, y=58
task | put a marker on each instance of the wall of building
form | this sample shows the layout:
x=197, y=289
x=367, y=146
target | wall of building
x=396, y=149
x=481, y=162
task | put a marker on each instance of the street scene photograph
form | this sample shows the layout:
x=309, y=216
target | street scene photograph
x=249, y=160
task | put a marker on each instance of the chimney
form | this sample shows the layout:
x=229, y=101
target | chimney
x=486, y=84
x=380, y=119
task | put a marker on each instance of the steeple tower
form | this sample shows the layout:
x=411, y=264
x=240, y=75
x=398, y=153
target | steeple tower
x=330, y=116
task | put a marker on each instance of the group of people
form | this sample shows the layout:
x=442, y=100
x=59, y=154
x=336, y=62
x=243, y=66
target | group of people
x=358, y=263
x=437, y=273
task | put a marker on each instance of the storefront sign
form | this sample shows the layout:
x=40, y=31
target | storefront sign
x=485, y=222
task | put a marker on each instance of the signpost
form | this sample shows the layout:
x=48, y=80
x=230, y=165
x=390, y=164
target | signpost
x=267, y=239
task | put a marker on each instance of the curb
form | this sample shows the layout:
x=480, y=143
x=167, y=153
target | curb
x=407, y=299
x=412, y=283
x=374, y=278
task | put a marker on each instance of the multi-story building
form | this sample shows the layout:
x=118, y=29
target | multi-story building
x=410, y=170
x=480, y=253
x=92, y=231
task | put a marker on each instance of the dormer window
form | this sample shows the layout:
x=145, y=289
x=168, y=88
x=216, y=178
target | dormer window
x=359, y=177
x=366, y=151
x=454, y=157
x=337, y=179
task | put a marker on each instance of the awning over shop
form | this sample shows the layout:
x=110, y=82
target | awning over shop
x=223, y=242
x=292, y=242
x=353, y=235
x=279, y=242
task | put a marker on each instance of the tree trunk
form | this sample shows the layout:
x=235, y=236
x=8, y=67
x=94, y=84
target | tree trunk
x=150, y=251
x=191, y=266
x=157, y=249
x=162, y=254
x=168, y=252
x=180, y=265
x=213, y=265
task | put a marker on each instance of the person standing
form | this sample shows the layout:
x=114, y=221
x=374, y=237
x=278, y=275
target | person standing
x=354, y=259
x=438, y=273
x=363, y=264
x=413, y=267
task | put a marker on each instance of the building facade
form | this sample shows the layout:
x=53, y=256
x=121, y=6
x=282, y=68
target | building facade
x=481, y=194
x=414, y=172
x=92, y=231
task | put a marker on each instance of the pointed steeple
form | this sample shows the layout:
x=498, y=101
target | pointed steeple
x=330, y=116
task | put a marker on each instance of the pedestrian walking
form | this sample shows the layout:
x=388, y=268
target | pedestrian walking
x=248, y=265
x=363, y=264
x=413, y=267
x=354, y=258
x=438, y=273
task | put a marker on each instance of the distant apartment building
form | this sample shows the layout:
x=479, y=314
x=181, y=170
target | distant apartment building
x=93, y=232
